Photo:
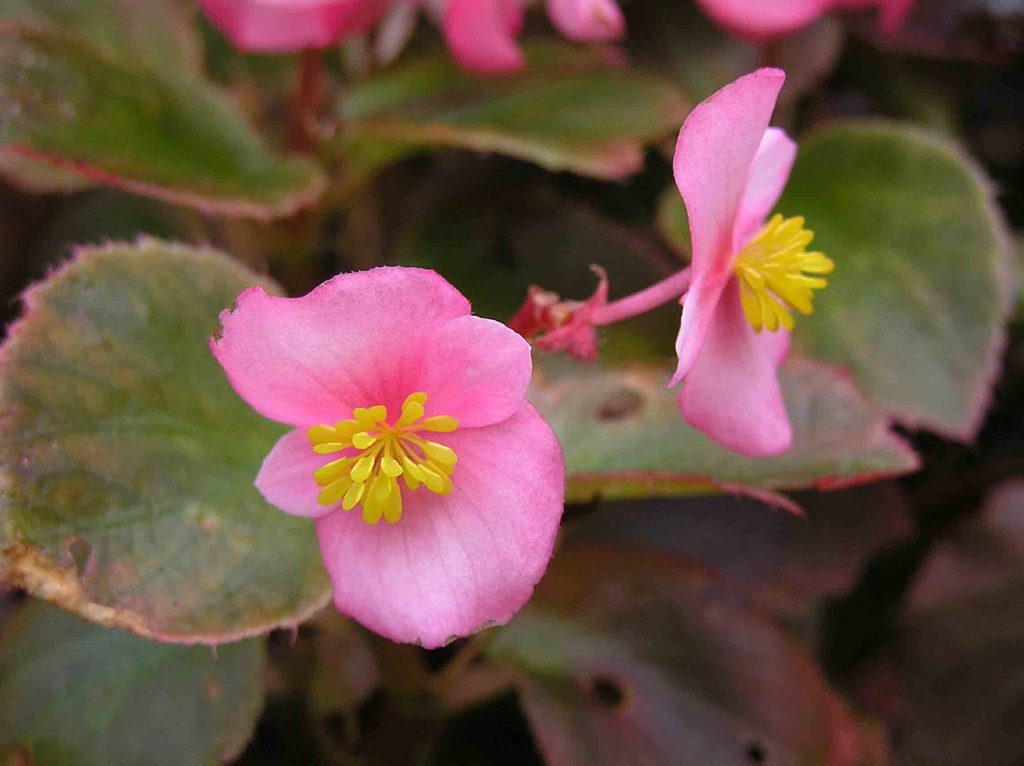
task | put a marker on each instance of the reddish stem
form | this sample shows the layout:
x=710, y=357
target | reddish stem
x=308, y=98
x=643, y=301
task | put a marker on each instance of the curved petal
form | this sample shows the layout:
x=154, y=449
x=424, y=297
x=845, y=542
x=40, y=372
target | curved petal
x=457, y=563
x=354, y=341
x=287, y=26
x=482, y=34
x=716, y=147
x=477, y=371
x=894, y=12
x=587, y=20
x=732, y=393
x=760, y=20
x=699, y=305
x=286, y=477
x=768, y=175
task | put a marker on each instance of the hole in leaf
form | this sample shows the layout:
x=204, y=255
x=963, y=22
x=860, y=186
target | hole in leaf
x=619, y=405
x=80, y=551
x=756, y=753
x=606, y=692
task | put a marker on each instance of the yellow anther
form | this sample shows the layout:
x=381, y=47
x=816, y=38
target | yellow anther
x=363, y=467
x=773, y=270
x=327, y=474
x=378, y=454
x=440, y=424
x=353, y=496
x=439, y=453
x=363, y=440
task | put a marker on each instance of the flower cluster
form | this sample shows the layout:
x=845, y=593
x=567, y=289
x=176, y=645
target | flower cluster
x=480, y=33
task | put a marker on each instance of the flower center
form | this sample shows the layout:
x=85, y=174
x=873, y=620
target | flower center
x=773, y=271
x=385, y=453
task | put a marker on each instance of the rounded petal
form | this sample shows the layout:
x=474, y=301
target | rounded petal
x=714, y=153
x=732, y=393
x=768, y=175
x=894, y=13
x=286, y=477
x=587, y=20
x=482, y=34
x=355, y=341
x=455, y=563
x=287, y=26
x=477, y=372
x=760, y=20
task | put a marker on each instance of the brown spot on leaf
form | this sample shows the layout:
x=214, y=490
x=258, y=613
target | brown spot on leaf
x=213, y=689
x=619, y=405
x=80, y=550
x=605, y=692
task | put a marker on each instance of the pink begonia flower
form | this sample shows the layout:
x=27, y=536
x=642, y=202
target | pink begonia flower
x=287, y=26
x=745, y=279
x=482, y=33
x=767, y=19
x=409, y=409
x=746, y=276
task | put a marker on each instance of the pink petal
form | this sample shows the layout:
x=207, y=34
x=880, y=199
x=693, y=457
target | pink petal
x=714, y=153
x=355, y=341
x=760, y=20
x=457, y=563
x=768, y=175
x=286, y=477
x=287, y=26
x=894, y=12
x=482, y=34
x=587, y=20
x=732, y=393
x=477, y=373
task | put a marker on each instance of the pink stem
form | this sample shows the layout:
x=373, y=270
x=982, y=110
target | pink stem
x=645, y=300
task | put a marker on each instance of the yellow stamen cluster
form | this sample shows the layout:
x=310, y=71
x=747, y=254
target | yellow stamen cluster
x=773, y=271
x=384, y=453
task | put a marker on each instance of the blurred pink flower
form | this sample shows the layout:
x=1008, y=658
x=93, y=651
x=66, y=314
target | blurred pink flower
x=287, y=26
x=767, y=19
x=482, y=33
x=413, y=410
x=746, y=276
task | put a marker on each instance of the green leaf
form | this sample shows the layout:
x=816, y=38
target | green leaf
x=157, y=33
x=152, y=32
x=75, y=693
x=962, y=643
x=631, y=657
x=916, y=306
x=70, y=106
x=127, y=460
x=570, y=110
x=623, y=436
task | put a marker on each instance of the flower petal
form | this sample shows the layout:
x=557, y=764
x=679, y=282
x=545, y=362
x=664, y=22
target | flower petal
x=286, y=477
x=477, y=372
x=455, y=563
x=355, y=341
x=287, y=26
x=482, y=34
x=760, y=20
x=732, y=393
x=587, y=20
x=768, y=175
x=894, y=12
x=716, y=147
